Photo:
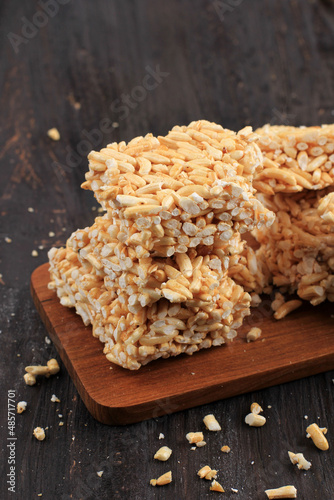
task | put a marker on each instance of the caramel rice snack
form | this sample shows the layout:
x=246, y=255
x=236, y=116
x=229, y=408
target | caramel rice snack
x=298, y=250
x=182, y=189
x=295, y=158
x=152, y=274
x=175, y=323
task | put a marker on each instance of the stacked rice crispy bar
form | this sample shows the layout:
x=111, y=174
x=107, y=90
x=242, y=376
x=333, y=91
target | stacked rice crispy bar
x=151, y=275
x=165, y=271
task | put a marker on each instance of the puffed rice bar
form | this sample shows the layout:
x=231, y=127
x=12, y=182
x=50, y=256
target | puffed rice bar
x=146, y=278
x=197, y=176
x=151, y=275
x=295, y=158
x=298, y=250
x=162, y=329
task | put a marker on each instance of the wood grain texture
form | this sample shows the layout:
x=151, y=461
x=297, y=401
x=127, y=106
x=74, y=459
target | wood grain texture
x=260, y=61
x=287, y=350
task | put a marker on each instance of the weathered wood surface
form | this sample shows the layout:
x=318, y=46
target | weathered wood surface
x=234, y=62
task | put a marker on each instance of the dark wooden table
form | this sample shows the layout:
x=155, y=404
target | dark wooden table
x=103, y=71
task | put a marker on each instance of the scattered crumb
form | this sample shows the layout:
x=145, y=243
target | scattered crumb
x=61, y=423
x=317, y=434
x=51, y=368
x=8, y=240
x=287, y=308
x=255, y=300
x=207, y=473
x=252, y=462
x=18, y=355
x=115, y=124
x=161, y=436
x=51, y=234
x=39, y=433
x=225, y=449
x=283, y=492
x=162, y=480
x=195, y=437
x=34, y=253
x=254, y=420
x=279, y=300
x=100, y=210
x=299, y=460
x=54, y=134
x=93, y=208
x=256, y=408
x=29, y=379
x=269, y=406
x=47, y=340
x=193, y=448
x=40, y=247
x=200, y=444
x=100, y=473
x=21, y=406
x=211, y=423
x=54, y=399
x=215, y=486
x=31, y=210
x=60, y=415
x=163, y=454
x=40, y=494
x=234, y=490
x=306, y=417
x=253, y=334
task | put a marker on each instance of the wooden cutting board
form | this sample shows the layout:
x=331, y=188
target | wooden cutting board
x=300, y=345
